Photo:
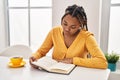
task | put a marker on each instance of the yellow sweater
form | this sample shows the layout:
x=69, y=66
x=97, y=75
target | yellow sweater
x=83, y=44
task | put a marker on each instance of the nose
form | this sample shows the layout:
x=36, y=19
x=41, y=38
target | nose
x=67, y=28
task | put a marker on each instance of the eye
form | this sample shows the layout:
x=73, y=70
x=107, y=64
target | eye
x=73, y=27
x=65, y=24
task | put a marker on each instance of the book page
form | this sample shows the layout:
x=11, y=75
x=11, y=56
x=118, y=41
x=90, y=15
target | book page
x=62, y=67
x=51, y=65
x=45, y=62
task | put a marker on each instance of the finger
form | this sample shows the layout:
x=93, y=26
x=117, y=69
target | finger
x=33, y=59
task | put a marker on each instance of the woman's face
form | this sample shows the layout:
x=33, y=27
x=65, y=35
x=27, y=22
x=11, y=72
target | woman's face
x=70, y=25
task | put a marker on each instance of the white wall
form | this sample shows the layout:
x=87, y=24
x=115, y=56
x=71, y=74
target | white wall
x=2, y=26
x=92, y=8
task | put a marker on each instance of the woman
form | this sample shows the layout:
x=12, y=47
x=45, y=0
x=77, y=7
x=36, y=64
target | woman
x=72, y=42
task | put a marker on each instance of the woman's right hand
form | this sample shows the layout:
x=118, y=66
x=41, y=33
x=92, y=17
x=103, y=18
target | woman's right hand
x=32, y=59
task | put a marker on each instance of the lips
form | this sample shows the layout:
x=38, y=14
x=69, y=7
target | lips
x=66, y=32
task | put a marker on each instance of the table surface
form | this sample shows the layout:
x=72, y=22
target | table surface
x=29, y=73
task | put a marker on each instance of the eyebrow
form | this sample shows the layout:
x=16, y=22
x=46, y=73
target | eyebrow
x=66, y=22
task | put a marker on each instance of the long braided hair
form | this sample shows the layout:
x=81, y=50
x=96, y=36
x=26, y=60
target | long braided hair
x=79, y=13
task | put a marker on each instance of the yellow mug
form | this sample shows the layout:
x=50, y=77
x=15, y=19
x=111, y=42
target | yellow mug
x=16, y=60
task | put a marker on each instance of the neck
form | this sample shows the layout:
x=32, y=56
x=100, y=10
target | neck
x=74, y=35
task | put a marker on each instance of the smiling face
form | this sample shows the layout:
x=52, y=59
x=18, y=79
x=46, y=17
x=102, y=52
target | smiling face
x=70, y=25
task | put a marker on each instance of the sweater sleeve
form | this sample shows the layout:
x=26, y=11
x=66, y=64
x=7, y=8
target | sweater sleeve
x=45, y=47
x=97, y=59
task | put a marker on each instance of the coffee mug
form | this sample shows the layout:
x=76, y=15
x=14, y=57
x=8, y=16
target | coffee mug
x=16, y=60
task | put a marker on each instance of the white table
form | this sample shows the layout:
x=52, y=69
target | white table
x=29, y=73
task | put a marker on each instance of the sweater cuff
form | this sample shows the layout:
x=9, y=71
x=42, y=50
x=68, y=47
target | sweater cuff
x=36, y=55
x=75, y=60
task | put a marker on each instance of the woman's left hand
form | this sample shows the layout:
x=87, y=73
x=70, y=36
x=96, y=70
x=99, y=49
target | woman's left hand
x=66, y=60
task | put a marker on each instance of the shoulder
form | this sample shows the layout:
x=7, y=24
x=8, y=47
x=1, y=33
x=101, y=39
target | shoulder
x=86, y=34
x=57, y=29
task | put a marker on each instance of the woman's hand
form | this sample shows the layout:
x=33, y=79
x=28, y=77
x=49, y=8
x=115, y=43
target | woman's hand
x=66, y=60
x=32, y=59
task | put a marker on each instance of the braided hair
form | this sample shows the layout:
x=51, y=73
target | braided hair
x=79, y=13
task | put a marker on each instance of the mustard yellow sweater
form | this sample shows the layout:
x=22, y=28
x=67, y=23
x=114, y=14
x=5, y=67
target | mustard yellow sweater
x=83, y=44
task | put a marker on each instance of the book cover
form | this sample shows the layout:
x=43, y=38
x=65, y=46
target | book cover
x=51, y=65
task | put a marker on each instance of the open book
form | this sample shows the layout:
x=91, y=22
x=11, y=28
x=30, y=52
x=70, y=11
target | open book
x=51, y=65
